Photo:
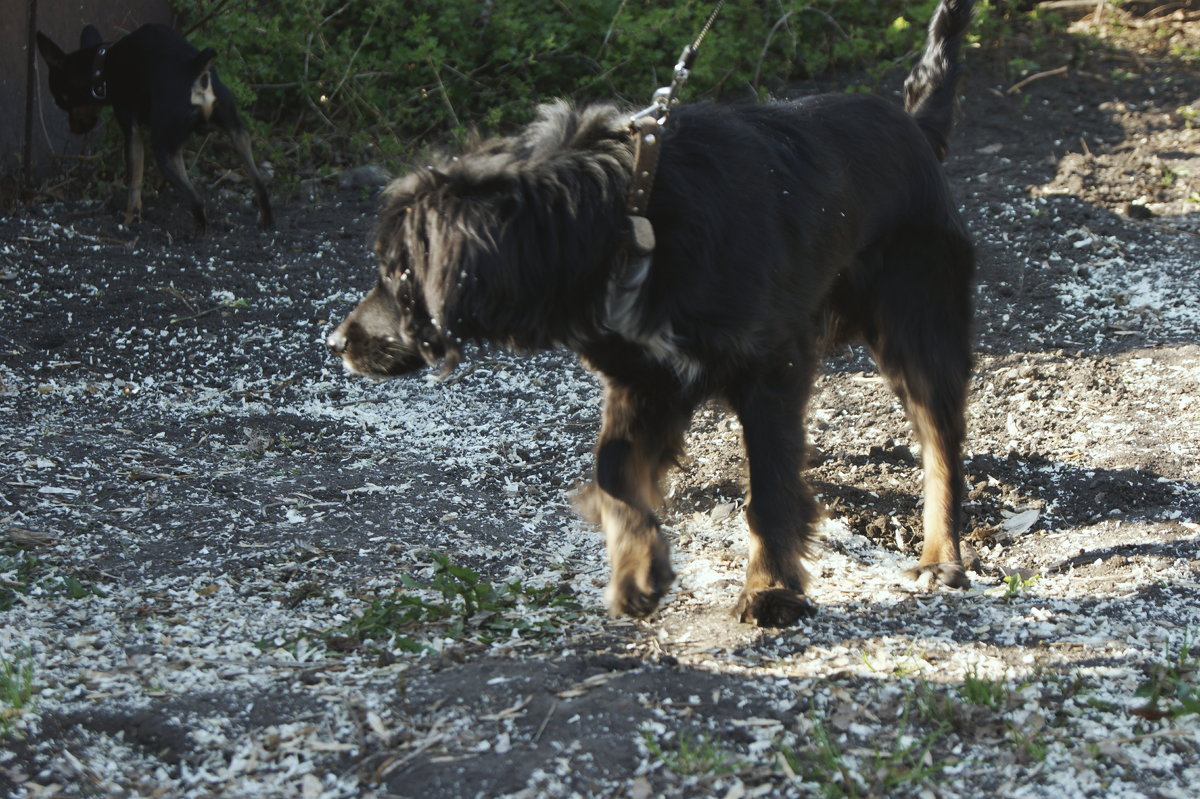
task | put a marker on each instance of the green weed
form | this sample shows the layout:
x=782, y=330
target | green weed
x=1013, y=586
x=16, y=689
x=22, y=571
x=909, y=762
x=692, y=754
x=1029, y=742
x=1171, y=689
x=456, y=603
x=975, y=690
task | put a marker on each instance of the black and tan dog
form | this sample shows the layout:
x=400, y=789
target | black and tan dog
x=779, y=228
x=151, y=77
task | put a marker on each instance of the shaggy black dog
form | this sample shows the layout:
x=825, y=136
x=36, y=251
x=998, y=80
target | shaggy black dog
x=780, y=228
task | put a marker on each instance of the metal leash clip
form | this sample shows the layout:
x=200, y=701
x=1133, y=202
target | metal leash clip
x=665, y=96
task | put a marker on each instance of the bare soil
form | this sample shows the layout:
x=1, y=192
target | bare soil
x=178, y=447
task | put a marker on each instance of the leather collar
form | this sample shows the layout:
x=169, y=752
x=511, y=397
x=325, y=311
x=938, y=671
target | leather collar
x=647, y=142
x=99, y=85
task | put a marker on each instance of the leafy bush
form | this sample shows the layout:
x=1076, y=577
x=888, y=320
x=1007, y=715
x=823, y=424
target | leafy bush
x=334, y=78
x=330, y=83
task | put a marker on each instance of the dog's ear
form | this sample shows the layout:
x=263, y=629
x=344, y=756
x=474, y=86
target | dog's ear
x=50, y=51
x=90, y=37
x=203, y=61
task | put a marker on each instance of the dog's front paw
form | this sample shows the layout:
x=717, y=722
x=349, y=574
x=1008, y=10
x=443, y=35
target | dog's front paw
x=773, y=607
x=638, y=584
x=949, y=574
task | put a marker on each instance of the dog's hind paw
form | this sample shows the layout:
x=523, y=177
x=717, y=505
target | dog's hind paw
x=949, y=574
x=773, y=607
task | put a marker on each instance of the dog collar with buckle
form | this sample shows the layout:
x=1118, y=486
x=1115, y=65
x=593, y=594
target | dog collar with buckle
x=99, y=85
x=647, y=142
x=646, y=128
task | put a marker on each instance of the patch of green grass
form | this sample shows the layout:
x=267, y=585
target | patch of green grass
x=923, y=723
x=1172, y=688
x=692, y=754
x=16, y=689
x=1029, y=741
x=456, y=603
x=976, y=690
x=822, y=762
x=22, y=571
x=1188, y=54
x=929, y=702
x=1019, y=67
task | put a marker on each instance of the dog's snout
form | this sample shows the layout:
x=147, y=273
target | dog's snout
x=336, y=342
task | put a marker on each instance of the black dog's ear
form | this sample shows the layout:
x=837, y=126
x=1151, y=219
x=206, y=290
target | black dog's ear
x=203, y=60
x=90, y=37
x=50, y=51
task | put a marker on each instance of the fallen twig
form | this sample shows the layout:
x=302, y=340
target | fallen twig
x=178, y=319
x=1021, y=84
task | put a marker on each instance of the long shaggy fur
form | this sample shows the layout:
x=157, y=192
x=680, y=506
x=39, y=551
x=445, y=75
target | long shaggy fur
x=779, y=227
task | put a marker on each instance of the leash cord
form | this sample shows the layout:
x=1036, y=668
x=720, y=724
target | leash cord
x=660, y=104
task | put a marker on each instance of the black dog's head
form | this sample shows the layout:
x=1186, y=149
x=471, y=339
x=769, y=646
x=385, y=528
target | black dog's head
x=508, y=243
x=73, y=83
x=391, y=332
x=400, y=325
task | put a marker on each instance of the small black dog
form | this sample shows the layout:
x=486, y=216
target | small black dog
x=151, y=77
x=779, y=228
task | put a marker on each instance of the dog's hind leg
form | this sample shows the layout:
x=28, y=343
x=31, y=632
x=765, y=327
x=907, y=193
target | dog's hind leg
x=241, y=143
x=225, y=117
x=781, y=510
x=919, y=334
x=170, y=161
x=641, y=437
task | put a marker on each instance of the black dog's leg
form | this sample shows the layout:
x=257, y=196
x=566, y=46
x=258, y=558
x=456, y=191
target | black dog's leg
x=641, y=436
x=226, y=118
x=170, y=161
x=135, y=166
x=921, y=340
x=780, y=511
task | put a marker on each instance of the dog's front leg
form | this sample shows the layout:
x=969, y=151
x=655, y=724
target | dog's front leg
x=641, y=436
x=780, y=511
x=135, y=169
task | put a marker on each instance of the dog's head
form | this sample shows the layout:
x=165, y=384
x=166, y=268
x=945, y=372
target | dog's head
x=72, y=80
x=507, y=243
x=401, y=324
x=392, y=331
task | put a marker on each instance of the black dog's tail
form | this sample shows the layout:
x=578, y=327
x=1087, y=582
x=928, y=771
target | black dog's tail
x=930, y=88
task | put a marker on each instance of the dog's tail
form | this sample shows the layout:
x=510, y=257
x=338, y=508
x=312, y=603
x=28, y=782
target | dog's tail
x=930, y=88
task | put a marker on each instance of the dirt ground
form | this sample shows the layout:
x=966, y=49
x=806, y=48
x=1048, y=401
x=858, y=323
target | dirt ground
x=199, y=512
